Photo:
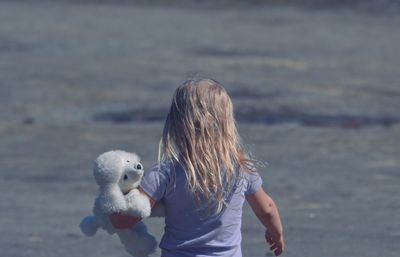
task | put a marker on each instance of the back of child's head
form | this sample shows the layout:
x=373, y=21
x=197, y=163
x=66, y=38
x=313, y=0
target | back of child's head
x=200, y=133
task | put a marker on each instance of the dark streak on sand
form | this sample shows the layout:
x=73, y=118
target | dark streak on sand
x=10, y=45
x=268, y=117
x=133, y=115
x=227, y=52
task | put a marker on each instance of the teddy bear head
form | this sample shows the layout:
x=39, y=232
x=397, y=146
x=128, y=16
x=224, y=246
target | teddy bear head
x=118, y=168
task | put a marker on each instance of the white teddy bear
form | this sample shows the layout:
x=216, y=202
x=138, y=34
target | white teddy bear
x=118, y=174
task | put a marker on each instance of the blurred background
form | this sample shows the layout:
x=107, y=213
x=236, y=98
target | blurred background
x=316, y=92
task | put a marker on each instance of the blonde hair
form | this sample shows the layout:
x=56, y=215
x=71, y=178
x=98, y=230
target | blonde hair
x=201, y=135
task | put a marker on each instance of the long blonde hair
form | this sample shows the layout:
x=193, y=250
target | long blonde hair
x=201, y=135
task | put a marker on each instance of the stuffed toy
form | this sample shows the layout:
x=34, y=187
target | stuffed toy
x=118, y=174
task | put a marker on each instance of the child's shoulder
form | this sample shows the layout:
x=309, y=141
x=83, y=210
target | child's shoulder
x=252, y=181
x=166, y=168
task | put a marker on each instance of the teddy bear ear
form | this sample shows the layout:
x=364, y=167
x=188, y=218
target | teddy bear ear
x=101, y=160
x=107, y=168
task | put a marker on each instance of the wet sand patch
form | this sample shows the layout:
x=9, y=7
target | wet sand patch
x=262, y=116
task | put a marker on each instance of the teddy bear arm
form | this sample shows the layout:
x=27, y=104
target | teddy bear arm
x=138, y=204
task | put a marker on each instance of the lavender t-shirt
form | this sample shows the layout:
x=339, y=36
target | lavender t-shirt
x=190, y=229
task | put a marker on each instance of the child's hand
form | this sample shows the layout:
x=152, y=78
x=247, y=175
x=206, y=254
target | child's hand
x=277, y=244
x=123, y=221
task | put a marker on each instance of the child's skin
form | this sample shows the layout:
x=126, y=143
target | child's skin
x=267, y=212
x=262, y=205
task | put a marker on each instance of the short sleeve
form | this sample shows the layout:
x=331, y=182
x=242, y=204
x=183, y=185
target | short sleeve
x=254, y=182
x=155, y=182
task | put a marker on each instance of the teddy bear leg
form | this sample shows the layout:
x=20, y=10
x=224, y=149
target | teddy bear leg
x=89, y=225
x=137, y=241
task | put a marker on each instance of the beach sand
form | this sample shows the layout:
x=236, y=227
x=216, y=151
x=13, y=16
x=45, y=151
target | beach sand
x=316, y=94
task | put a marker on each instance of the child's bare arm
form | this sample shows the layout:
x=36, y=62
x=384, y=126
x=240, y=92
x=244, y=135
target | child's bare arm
x=267, y=212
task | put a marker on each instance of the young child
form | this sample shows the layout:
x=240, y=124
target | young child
x=203, y=178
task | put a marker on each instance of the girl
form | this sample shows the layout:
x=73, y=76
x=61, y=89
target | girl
x=203, y=178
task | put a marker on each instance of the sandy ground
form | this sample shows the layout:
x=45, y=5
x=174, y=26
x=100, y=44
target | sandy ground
x=316, y=94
